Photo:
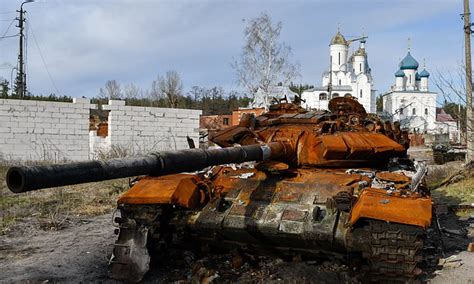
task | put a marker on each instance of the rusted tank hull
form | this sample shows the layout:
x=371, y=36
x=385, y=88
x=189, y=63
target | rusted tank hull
x=275, y=221
x=302, y=211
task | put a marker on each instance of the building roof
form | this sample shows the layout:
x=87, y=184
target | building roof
x=424, y=73
x=409, y=62
x=338, y=39
x=399, y=73
x=442, y=116
x=360, y=52
x=417, y=76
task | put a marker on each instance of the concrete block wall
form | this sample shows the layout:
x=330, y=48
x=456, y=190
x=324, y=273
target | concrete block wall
x=98, y=145
x=140, y=130
x=39, y=130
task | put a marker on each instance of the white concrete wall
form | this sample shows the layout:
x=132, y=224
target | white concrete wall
x=98, y=145
x=140, y=130
x=38, y=130
x=56, y=131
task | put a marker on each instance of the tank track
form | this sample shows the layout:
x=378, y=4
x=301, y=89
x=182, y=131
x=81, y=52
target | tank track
x=392, y=252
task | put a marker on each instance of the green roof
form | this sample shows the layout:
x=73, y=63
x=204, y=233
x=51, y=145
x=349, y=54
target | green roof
x=399, y=73
x=409, y=62
x=424, y=73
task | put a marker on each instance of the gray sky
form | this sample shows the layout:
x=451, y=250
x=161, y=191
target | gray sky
x=85, y=43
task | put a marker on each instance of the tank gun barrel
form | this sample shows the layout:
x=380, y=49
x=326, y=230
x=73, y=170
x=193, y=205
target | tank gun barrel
x=28, y=178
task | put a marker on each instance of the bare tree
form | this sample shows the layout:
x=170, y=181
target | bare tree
x=264, y=61
x=452, y=87
x=112, y=90
x=169, y=86
x=154, y=92
x=132, y=91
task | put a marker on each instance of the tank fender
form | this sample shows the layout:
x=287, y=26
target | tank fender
x=377, y=204
x=179, y=189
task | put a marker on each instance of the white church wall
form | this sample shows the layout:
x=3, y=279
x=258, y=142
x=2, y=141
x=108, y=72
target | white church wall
x=415, y=110
x=338, y=53
x=344, y=79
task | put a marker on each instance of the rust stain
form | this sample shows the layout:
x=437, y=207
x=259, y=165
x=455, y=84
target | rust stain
x=179, y=189
x=377, y=204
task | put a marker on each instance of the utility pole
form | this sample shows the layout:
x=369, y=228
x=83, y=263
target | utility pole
x=467, y=50
x=20, y=81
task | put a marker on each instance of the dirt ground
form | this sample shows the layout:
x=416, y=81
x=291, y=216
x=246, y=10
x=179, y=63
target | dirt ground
x=79, y=250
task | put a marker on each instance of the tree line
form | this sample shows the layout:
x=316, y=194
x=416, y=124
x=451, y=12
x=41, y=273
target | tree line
x=166, y=91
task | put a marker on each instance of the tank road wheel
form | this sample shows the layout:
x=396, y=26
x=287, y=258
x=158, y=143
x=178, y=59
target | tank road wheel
x=130, y=259
x=392, y=251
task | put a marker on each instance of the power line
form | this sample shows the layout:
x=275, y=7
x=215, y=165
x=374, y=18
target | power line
x=8, y=28
x=10, y=36
x=42, y=58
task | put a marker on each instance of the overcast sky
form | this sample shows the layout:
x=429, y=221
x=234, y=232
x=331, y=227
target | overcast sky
x=88, y=42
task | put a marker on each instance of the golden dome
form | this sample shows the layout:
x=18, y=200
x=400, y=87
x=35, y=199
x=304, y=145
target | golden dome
x=338, y=39
x=360, y=52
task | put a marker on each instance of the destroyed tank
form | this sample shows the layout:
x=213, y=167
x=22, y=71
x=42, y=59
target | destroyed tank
x=443, y=153
x=290, y=181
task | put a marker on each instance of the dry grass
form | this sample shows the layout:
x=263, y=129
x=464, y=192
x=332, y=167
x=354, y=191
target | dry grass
x=438, y=173
x=459, y=188
x=461, y=192
x=51, y=207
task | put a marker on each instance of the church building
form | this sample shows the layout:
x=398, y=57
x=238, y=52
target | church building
x=347, y=75
x=411, y=102
x=409, y=99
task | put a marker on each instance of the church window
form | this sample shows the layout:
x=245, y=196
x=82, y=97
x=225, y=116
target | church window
x=323, y=96
x=401, y=110
x=335, y=95
x=409, y=79
x=360, y=67
x=360, y=94
x=413, y=111
x=339, y=58
x=426, y=111
x=340, y=82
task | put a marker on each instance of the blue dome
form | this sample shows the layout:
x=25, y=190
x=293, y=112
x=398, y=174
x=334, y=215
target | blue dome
x=409, y=62
x=417, y=76
x=399, y=73
x=424, y=73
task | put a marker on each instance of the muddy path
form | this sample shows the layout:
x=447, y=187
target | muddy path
x=76, y=253
x=80, y=252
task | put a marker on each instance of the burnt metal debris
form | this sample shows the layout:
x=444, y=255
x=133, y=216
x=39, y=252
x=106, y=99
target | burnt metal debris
x=323, y=182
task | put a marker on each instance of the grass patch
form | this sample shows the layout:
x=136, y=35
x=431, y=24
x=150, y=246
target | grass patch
x=459, y=188
x=53, y=206
x=439, y=173
x=461, y=192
